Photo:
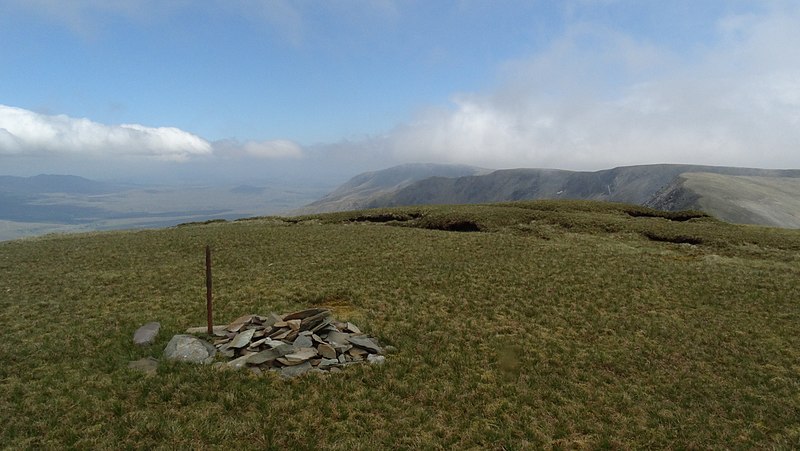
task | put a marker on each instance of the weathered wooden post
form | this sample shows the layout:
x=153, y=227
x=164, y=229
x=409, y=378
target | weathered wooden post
x=208, y=291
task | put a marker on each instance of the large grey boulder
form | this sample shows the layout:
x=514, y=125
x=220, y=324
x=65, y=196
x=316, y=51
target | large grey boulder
x=146, y=334
x=186, y=348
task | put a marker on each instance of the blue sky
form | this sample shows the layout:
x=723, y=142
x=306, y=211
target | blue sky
x=111, y=87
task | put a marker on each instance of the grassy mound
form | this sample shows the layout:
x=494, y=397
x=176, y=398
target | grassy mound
x=566, y=324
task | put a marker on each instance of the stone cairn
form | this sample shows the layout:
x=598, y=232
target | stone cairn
x=292, y=344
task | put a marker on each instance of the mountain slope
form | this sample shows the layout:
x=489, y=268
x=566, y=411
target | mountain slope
x=771, y=201
x=642, y=185
x=631, y=184
x=363, y=189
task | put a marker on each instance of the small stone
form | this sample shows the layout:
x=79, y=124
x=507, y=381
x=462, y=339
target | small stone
x=302, y=314
x=269, y=355
x=146, y=334
x=337, y=338
x=280, y=334
x=301, y=355
x=147, y=365
x=291, y=336
x=342, y=358
x=242, y=339
x=239, y=363
x=352, y=328
x=259, y=333
x=303, y=341
x=327, y=351
x=376, y=359
x=357, y=351
x=325, y=363
x=389, y=349
x=335, y=369
x=273, y=343
x=297, y=370
x=294, y=324
x=322, y=325
x=239, y=322
x=186, y=348
x=366, y=343
x=256, y=371
x=316, y=321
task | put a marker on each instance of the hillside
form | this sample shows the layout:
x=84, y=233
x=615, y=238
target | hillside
x=773, y=201
x=630, y=184
x=361, y=191
x=553, y=324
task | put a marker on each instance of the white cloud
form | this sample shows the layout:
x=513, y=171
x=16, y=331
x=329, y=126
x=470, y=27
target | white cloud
x=598, y=98
x=29, y=133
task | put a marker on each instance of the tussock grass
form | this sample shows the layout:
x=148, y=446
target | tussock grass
x=558, y=324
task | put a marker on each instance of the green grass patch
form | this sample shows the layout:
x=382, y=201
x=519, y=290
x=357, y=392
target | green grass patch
x=556, y=325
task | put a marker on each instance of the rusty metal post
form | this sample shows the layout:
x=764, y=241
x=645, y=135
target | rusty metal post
x=208, y=291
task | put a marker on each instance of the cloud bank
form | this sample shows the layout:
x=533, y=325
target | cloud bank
x=598, y=98
x=29, y=133
x=26, y=133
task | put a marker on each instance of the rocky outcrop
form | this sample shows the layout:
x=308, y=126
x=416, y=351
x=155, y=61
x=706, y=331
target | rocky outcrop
x=293, y=344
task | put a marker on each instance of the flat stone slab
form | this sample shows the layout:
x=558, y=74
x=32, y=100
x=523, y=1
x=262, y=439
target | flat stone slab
x=303, y=341
x=365, y=343
x=146, y=334
x=186, y=348
x=269, y=355
x=147, y=365
x=243, y=339
x=306, y=313
x=327, y=351
x=296, y=370
x=301, y=355
x=216, y=330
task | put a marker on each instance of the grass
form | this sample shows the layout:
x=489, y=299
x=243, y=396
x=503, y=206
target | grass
x=556, y=324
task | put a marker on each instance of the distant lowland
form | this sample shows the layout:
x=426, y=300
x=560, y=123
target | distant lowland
x=65, y=203
x=737, y=195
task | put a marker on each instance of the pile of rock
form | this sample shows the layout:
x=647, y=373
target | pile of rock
x=295, y=343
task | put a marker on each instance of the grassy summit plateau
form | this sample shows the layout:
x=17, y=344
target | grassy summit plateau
x=519, y=325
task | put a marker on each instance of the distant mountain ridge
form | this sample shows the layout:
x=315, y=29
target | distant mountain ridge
x=49, y=183
x=360, y=190
x=642, y=185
